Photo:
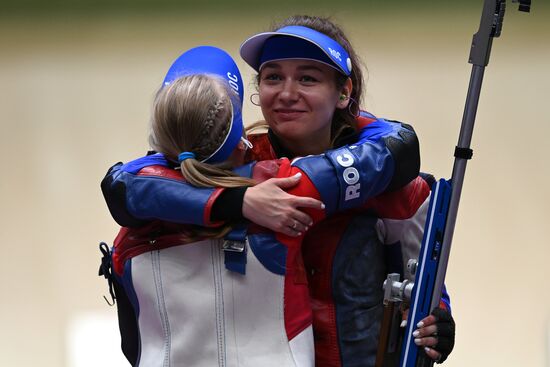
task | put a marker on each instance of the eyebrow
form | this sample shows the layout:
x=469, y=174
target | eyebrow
x=275, y=65
x=310, y=67
x=272, y=65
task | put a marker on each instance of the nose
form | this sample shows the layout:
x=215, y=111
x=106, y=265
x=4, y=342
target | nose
x=289, y=92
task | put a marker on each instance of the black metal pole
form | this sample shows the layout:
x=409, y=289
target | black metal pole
x=457, y=178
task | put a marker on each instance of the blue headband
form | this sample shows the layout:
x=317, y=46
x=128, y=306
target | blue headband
x=185, y=155
x=211, y=60
x=295, y=42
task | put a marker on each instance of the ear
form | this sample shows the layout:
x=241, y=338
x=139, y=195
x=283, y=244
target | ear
x=344, y=95
x=237, y=156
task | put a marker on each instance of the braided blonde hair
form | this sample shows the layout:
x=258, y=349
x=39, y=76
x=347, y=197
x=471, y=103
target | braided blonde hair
x=193, y=114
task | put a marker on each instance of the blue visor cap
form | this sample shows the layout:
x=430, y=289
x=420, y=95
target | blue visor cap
x=214, y=61
x=295, y=42
x=207, y=60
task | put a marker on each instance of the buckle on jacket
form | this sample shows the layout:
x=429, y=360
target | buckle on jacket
x=234, y=246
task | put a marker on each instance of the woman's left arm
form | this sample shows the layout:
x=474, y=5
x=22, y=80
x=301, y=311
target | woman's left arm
x=347, y=177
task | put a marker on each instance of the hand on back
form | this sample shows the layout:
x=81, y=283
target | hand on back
x=268, y=205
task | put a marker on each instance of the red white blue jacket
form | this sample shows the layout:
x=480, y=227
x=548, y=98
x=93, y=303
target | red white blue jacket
x=196, y=303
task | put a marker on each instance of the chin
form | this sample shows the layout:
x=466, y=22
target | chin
x=289, y=131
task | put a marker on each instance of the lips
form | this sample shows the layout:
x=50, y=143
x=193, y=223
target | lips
x=288, y=114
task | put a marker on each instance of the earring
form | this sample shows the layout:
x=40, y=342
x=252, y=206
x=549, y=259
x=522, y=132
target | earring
x=351, y=102
x=343, y=97
x=254, y=102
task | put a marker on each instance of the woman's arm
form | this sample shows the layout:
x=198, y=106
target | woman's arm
x=147, y=188
x=138, y=192
x=347, y=177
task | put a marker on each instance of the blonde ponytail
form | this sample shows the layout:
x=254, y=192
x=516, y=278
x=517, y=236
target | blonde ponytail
x=193, y=114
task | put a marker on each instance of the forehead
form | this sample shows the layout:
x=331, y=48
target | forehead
x=294, y=65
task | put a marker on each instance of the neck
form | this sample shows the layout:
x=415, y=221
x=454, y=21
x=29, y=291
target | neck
x=297, y=148
x=303, y=148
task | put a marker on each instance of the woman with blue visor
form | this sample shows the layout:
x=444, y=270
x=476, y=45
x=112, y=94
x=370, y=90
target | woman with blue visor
x=309, y=94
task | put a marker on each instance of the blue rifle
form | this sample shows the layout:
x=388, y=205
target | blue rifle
x=424, y=293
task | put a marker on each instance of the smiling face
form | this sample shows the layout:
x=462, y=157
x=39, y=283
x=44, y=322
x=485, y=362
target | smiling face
x=298, y=99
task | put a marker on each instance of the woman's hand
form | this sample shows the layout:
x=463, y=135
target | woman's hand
x=268, y=205
x=436, y=333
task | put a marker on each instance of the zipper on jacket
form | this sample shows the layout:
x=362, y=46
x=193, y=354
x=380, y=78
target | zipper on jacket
x=217, y=268
x=155, y=257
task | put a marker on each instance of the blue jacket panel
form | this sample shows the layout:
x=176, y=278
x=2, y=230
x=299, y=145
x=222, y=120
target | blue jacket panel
x=133, y=200
x=356, y=172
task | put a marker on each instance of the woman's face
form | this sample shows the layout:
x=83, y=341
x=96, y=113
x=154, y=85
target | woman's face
x=298, y=99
